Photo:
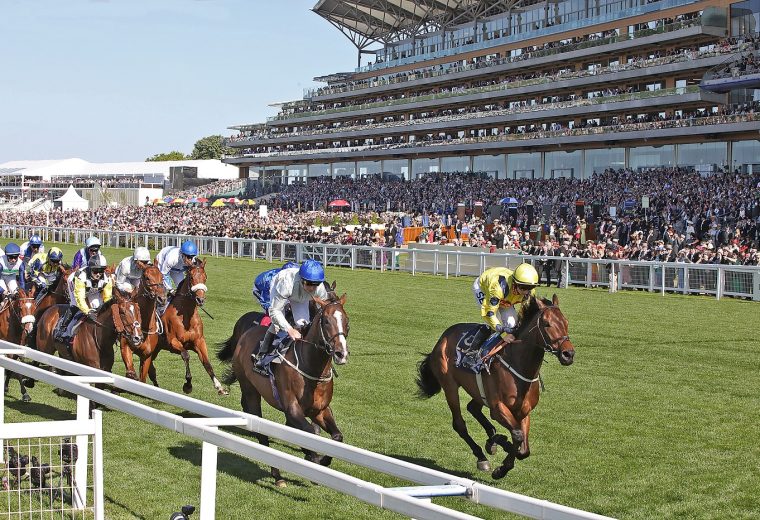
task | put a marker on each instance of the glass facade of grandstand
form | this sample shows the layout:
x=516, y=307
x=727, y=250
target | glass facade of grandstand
x=525, y=90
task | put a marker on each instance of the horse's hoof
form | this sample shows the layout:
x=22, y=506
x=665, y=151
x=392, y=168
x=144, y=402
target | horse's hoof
x=131, y=375
x=484, y=465
x=29, y=383
x=280, y=483
x=26, y=398
x=499, y=472
x=222, y=391
x=325, y=461
x=491, y=447
x=187, y=388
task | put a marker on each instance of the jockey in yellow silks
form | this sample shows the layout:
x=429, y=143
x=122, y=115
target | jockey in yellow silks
x=497, y=291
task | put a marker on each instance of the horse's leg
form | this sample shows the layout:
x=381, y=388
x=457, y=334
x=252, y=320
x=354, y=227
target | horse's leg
x=504, y=416
x=250, y=401
x=476, y=410
x=295, y=418
x=202, y=350
x=126, y=356
x=326, y=421
x=451, y=390
x=188, y=386
x=523, y=449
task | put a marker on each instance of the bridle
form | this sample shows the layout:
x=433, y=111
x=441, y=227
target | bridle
x=324, y=343
x=191, y=290
x=550, y=346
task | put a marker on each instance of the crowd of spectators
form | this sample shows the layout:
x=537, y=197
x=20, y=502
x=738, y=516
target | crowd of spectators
x=691, y=218
x=211, y=188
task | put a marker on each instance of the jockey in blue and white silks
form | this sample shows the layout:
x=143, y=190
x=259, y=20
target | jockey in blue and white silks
x=263, y=283
x=297, y=287
x=12, y=273
x=31, y=248
x=173, y=261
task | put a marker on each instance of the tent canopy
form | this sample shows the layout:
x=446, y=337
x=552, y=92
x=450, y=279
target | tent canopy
x=71, y=200
x=339, y=203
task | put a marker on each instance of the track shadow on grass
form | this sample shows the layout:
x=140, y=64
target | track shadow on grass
x=116, y=503
x=42, y=410
x=235, y=466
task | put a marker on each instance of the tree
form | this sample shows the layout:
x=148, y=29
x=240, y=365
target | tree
x=171, y=156
x=211, y=147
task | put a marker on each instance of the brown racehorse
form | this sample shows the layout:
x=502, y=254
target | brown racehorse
x=16, y=322
x=183, y=327
x=511, y=389
x=150, y=294
x=302, y=385
x=94, y=339
x=56, y=294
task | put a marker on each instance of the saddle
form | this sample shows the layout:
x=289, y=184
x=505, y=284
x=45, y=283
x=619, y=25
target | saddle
x=471, y=350
x=280, y=346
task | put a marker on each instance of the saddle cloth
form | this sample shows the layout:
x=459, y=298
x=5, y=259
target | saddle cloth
x=470, y=350
x=280, y=346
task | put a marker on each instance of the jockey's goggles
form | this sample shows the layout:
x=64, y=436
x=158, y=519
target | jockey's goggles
x=311, y=284
x=92, y=249
x=97, y=270
x=12, y=257
x=523, y=287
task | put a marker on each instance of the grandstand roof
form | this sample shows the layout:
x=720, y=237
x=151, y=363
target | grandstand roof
x=365, y=21
x=208, y=169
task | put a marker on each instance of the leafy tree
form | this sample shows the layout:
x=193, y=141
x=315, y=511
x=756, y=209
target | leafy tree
x=211, y=147
x=171, y=156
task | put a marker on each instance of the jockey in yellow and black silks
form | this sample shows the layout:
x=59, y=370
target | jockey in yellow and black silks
x=497, y=291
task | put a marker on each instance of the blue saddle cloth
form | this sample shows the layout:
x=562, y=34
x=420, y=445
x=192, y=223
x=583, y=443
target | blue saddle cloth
x=281, y=346
x=471, y=350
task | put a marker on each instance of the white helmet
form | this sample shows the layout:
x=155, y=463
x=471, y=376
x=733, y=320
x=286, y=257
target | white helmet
x=92, y=241
x=141, y=254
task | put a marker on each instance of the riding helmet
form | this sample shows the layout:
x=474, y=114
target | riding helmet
x=12, y=249
x=55, y=255
x=526, y=274
x=35, y=240
x=97, y=261
x=92, y=242
x=189, y=248
x=312, y=271
x=141, y=254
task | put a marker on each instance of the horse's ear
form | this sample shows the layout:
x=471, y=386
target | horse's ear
x=539, y=302
x=343, y=299
x=203, y=263
x=555, y=300
x=332, y=287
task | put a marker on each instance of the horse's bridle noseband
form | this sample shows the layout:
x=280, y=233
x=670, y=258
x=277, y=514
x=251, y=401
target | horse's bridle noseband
x=324, y=342
x=550, y=346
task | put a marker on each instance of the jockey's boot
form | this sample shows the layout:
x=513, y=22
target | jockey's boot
x=264, y=348
x=62, y=329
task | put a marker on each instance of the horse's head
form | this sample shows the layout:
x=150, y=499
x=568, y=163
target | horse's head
x=333, y=325
x=126, y=317
x=552, y=326
x=152, y=285
x=195, y=278
x=25, y=305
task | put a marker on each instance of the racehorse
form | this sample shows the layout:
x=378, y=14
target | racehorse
x=16, y=322
x=302, y=384
x=151, y=293
x=183, y=327
x=510, y=391
x=56, y=294
x=94, y=339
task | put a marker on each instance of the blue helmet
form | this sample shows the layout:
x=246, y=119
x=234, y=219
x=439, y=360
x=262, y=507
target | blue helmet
x=189, y=248
x=12, y=249
x=312, y=271
x=35, y=240
x=289, y=265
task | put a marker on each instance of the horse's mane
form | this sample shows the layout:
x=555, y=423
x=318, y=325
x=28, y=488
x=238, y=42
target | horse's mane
x=529, y=310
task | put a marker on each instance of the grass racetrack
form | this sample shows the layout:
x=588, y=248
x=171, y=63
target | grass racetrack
x=657, y=417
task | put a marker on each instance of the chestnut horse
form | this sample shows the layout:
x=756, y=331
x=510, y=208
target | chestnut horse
x=16, y=322
x=94, y=339
x=302, y=385
x=150, y=295
x=510, y=391
x=183, y=327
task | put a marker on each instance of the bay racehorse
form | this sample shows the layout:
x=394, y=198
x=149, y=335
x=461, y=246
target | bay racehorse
x=56, y=294
x=151, y=294
x=16, y=322
x=93, y=343
x=510, y=391
x=183, y=327
x=302, y=384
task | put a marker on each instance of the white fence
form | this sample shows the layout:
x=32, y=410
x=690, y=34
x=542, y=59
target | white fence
x=663, y=277
x=205, y=428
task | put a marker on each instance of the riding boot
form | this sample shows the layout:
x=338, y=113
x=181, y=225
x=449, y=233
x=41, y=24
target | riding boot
x=264, y=348
x=63, y=326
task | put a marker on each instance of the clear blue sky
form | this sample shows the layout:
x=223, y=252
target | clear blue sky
x=121, y=80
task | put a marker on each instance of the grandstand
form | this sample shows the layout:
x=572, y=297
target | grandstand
x=519, y=89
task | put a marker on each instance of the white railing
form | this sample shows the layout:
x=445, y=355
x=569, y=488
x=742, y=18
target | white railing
x=205, y=428
x=663, y=277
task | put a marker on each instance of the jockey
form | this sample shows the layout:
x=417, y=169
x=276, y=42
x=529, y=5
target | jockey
x=31, y=248
x=296, y=286
x=497, y=291
x=12, y=274
x=91, y=247
x=89, y=289
x=42, y=269
x=263, y=283
x=174, y=261
x=129, y=271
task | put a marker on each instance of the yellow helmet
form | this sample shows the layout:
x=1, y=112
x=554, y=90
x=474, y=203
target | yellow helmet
x=525, y=274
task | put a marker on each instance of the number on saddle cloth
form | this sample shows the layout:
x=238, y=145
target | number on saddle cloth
x=472, y=347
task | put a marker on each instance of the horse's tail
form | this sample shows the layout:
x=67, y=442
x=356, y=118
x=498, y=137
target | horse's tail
x=427, y=383
x=226, y=349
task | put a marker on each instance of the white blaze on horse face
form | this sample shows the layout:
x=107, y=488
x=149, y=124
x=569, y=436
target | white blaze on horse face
x=342, y=345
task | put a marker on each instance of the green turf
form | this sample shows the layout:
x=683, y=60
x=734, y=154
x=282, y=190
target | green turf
x=657, y=417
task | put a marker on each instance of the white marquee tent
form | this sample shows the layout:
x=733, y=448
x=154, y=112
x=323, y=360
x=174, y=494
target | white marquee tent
x=72, y=201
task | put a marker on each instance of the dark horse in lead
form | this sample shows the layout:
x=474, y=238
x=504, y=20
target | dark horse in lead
x=510, y=391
